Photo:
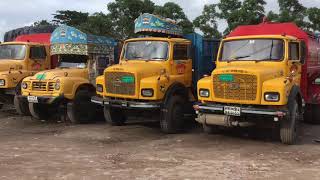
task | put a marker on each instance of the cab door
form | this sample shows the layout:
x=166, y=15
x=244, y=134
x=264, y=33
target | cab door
x=296, y=59
x=182, y=63
x=38, y=59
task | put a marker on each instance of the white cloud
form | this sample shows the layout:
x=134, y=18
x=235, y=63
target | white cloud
x=17, y=13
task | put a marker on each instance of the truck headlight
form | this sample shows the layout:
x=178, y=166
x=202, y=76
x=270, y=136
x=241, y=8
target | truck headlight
x=24, y=85
x=57, y=85
x=2, y=82
x=147, y=92
x=99, y=88
x=272, y=96
x=204, y=93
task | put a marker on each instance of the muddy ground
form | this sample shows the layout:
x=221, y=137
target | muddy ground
x=30, y=149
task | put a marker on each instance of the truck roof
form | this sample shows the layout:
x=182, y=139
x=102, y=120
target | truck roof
x=23, y=43
x=158, y=39
x=43, y=38
x=269, y=28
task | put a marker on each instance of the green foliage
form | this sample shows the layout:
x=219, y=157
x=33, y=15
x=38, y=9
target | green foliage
x=314, y=18
x=292, y=11
x=207, y=22
x=252, y=12
x=41, y=23
x=124, y=12
x=99, y=24
x=71, y=18
x=175, y=12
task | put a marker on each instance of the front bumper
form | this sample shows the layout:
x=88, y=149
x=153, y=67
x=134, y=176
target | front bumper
x=124, y=104
x=219, y=109
x=44, y=99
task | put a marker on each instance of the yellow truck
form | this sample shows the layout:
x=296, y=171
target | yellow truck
x=154, y=77
x=24, y=57
x=66, y=91
x=266, y=74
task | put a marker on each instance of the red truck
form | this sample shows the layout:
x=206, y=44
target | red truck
x=269, y=71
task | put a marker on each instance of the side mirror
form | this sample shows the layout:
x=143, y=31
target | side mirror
x=317, y=81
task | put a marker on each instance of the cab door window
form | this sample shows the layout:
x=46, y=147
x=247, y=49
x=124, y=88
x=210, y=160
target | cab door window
x=38, y=53
x=294, y=51
x=181, y=52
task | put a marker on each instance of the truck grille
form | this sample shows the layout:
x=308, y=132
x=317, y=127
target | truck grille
x=120, y=83
x=42, y=86
x=242, y=87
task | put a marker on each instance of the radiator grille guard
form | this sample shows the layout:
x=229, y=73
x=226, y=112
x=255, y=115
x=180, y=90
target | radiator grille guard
x=235, y=86
x=121, y=83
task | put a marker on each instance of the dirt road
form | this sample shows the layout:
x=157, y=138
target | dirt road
x=30, y=149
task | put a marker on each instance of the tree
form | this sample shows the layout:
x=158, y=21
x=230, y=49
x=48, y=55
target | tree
x=207, y=22
x=71, y=18
x=251, y=12
x=292, y=11
x=41, y=23
x=124, y=12
x=98, y=24
x=314, y=18
x=229, y=10
x=175, y=12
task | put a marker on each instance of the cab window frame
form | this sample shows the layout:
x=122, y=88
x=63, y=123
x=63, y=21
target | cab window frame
x=43, y=53
x=298, y=55
x=188, y=54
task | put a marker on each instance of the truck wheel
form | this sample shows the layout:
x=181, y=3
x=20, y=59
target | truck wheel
x=289, y=125
x=81, y=109
x=172, y=115
x=22, y=107
x=114, y=116
x=39, y=111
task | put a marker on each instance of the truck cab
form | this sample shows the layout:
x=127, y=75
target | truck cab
x=261, y=77
x=154, y=77
x=17, y=61
x=67, y=89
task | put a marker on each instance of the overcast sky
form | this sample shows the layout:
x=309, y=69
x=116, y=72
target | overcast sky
x=19, y=13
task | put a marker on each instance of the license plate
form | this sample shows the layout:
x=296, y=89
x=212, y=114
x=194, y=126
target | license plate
x=232, y=111
x=32, y=99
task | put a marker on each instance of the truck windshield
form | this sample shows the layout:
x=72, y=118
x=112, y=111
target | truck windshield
x=146, y=50
x=12, y=51
x=253, y=50
x=73, y=61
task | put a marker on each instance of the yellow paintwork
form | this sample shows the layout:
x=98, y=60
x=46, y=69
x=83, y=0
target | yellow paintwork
x=70, y=79
x=156, y=75
x=271, y=75
x=13, y=71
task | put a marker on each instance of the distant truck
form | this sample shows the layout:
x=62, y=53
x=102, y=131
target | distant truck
x=155, y=75
x=265, y=73
x=24, y=57
x=66, y=90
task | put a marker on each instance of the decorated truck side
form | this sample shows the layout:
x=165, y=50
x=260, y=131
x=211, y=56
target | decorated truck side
x=67, y=90
x=24, y=57
x=155, y=74
x=265, y=73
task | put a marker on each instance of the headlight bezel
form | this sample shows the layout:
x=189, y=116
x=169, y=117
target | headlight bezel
x=201, y=91
x=151, y=94
x=270, y=96
x=24, y=85
x=99, y=88
x=57, y=85
x=2, y=82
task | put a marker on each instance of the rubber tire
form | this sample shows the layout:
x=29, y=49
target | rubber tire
x=114, y=116
x=171, y=117
x=39, y=111
x=81, y=110
x=312, y=114
x=289, y=125
x=22, y=108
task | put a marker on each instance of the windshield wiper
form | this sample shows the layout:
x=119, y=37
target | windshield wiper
x=160, y=58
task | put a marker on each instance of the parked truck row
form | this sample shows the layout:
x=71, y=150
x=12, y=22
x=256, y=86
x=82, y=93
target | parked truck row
x=266, y=74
